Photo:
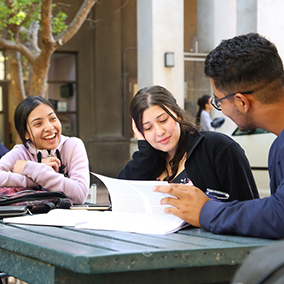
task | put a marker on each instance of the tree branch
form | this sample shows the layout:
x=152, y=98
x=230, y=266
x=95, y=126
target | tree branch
x=46, y=17
x=32, y=32
x=8, y=44
x=17, y=84
x=77, y=22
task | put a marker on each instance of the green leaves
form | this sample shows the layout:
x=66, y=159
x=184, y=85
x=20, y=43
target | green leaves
x=22, y=12
x=18, y=18
x=58, y=23
x=4, y=11
x=17, y=12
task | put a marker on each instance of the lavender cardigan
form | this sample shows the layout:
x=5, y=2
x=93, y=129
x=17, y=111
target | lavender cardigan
x=74, y=181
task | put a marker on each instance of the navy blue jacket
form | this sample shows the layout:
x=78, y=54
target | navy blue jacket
x=3, y=150
x=263, y=218
x=214, y=161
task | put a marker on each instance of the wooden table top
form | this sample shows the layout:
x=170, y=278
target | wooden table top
x=54, y=254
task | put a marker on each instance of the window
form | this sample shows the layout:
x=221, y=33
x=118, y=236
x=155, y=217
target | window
x=62, y=87
x=196, y=84
x=238, y=132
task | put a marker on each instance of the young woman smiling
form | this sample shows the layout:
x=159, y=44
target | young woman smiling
x=170, y=148
x=46, y=159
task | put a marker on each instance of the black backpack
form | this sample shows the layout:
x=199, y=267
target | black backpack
x=37, y=201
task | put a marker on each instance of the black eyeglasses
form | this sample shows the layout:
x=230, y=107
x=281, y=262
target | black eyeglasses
x=217, y=103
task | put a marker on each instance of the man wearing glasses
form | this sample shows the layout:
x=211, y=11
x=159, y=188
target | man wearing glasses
x=247, y=77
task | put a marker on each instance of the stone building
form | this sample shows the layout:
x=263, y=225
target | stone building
x=93, y=77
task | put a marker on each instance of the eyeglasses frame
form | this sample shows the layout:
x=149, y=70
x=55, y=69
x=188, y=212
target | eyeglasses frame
x=214, y=101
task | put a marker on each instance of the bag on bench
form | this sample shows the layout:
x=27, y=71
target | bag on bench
x=36, y=201
x=263, y=266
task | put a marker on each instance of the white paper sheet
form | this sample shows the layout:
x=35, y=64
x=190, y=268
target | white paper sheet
x=135, y=208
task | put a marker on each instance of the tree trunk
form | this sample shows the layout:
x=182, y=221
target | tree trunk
x=38, y=84
x=17, y=83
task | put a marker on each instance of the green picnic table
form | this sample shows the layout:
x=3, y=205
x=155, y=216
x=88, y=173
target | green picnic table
x=44, y=254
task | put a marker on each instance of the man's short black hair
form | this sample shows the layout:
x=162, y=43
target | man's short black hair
x=245, y=62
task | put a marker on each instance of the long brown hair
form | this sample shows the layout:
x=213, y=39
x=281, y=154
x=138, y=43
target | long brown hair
x=160, y=96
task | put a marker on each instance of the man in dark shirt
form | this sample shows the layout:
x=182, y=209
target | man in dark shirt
x=247, y=77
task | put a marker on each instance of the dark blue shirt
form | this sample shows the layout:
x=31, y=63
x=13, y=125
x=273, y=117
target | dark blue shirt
x=276, y=163
x=263, y=218
x=3, y=150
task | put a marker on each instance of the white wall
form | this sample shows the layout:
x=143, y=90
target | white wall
x=270, y=22
x=217, y=20
x=160, y=30
x=246, y=16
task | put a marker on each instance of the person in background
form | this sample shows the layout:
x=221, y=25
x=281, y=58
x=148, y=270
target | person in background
x=171, y=149
x=3, y=150
x=247, y=77
x=203, y=119
x=47, y=159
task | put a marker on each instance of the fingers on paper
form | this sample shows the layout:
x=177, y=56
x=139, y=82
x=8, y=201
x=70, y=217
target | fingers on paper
x=177, y=190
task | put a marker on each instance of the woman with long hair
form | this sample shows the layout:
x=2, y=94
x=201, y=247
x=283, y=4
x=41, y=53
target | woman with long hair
x=46, y=159
x=170, y=148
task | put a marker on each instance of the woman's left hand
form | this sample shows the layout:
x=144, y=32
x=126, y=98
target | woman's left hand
x=52, y=162
x=138, y=134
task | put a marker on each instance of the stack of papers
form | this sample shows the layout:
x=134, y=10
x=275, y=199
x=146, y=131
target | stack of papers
x=135, y=208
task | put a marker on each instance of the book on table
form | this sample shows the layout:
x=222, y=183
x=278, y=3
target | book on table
x=135, y=208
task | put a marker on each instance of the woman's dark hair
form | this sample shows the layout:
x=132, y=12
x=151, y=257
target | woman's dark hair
x=201, y=102
x=23, y=111
x=157, y=95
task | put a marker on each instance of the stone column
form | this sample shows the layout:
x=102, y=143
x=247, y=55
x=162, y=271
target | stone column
x=246, y=16
x=160, y=30
x=216, y=20
x=270, y=22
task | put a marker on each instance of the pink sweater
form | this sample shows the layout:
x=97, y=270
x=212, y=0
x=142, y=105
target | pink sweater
x=74, y=182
